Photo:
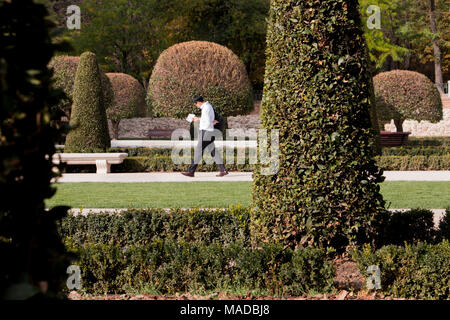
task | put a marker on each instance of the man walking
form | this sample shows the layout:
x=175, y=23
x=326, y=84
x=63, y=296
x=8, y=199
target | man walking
x=206, y=137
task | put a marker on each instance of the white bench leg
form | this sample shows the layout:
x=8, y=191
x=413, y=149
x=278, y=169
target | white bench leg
x=103, y=167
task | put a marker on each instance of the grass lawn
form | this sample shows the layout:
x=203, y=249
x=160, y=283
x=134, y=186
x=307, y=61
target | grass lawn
x=430, y=195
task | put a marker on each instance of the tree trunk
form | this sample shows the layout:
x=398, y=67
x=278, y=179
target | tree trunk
x=436, y=49
x=399, y=125
x=115, y=129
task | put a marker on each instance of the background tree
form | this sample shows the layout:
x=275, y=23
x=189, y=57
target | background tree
x=129, y=100
x=126, y=35
x=402, y=94
x=88, y=121
x=32, y=252
x=317, y=94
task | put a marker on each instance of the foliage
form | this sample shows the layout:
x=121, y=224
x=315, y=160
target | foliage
x=129, y=100
x=317, y=94
x=88, y=120
x=30, y=248
x=414, y=163
x=402, y=94
x=235, y=24
x=199, y=67
x=417, y=151
x=419, y=271
x=64, y=71
x=428, y=141
x=444, y=226
x=410, y=226
x=169, y=267
x=134, y=227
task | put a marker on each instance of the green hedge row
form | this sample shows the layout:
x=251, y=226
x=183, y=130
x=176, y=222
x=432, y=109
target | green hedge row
x=143, y=226
x=413, y=163
x=428, y=141
x=225, y=226
x=414, y=271
x=168, y=267
x=417, y=151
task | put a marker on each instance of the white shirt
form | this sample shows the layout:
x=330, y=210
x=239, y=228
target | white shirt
x=207, y=118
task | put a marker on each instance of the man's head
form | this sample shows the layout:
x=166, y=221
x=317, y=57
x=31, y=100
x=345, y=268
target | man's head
x=199, y=101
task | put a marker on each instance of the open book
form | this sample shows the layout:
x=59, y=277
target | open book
x=190, y=117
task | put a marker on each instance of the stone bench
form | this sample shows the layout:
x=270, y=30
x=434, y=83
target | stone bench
x=103, y=161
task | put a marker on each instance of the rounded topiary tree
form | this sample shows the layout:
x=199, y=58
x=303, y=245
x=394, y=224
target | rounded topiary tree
x=129, y=100
x=64, y=70
x=402, y=95
x=317, y=93
x=199, y=67
x=89, y=131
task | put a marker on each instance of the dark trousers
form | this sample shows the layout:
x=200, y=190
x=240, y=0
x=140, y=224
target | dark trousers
x=204, y=140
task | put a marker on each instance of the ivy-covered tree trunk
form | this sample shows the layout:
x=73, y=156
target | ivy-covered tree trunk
x=317, y=93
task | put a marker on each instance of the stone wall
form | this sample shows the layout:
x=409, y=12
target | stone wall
x=138, y=127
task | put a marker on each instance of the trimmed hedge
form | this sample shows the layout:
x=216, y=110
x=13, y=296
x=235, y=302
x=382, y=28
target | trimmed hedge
x=417, y=151
x=403, y=94
x=428, y=141
x=413, y=163
x=64, y=71
x=167, y=267
x=317, y=92
x=136, y=227
x=420, y=271
x=199, y=67
x=88, y=121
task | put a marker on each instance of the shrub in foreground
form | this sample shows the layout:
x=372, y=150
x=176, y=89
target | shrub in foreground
x=167, y=267
x=317, y=93
x=419, y=271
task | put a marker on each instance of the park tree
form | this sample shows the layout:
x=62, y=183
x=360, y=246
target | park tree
x=89, y=126
x=33, y=257
x=317, y=93
x=129, y=100
x=126, y=35
x=402, y=95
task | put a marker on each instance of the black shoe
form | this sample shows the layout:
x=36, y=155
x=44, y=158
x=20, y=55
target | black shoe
x=188, y=174
x=222, y=173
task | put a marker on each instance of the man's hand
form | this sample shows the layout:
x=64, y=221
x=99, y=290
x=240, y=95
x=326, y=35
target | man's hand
x=196, y=119
x=215, y=122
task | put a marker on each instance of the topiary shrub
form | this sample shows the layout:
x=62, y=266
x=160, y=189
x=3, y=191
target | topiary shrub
x=199, y=67
x=402, y=95
x=89, y=131
x=317, y=94
x=64, y=70
x=129, y=100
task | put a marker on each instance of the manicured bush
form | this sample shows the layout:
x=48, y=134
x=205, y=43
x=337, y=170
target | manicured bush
x=168, y=267
x=199, y=67
x=64, y=71
x=317, y=93
x=129, y=100
x=418, y=271
x=88, y=121
x=428, y=141
x=406, y=95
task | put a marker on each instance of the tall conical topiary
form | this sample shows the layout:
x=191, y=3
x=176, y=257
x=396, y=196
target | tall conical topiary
x=90, y=126
x=317, y=92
